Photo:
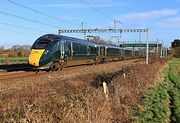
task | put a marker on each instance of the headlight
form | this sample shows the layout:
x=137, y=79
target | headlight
x=46, y=52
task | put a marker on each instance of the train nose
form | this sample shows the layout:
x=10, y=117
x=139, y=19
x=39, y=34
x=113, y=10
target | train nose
x=35, y=56
x=34, y=63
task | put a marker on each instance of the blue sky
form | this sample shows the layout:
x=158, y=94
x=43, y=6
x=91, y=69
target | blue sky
x=161, y=17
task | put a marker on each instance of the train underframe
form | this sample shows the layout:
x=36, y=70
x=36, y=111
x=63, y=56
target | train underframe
x=59, y=65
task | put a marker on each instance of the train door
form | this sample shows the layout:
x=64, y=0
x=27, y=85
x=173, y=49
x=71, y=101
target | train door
x=122, y=53
x=98, y=52
x=105, y=48
x=67, y=49
x=62, y=50
x=102, y=52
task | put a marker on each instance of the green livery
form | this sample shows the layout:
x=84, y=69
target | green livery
x=62, y=51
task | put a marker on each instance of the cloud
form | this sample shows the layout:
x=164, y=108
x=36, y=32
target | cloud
x=177, y=1
x=65, y=5
x=68, y=18
x=170, y=23
x=99, y=4
x=141, y=17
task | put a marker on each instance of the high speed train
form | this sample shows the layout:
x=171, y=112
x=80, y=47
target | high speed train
x=54, y=52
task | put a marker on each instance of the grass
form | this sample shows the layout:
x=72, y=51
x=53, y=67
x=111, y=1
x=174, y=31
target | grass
x=13, y=60
x=161, y=104
x=174, y=76
x=72, y=96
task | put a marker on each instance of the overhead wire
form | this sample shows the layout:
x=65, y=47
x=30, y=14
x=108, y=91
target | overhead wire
x=97, y=10
x=50, y=16
x=28, y=19
x=22, y=27
x=102, y=13
x=39, y=12
x=15, y=31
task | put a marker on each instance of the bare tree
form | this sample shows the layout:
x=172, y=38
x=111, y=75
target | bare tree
x=1, y=48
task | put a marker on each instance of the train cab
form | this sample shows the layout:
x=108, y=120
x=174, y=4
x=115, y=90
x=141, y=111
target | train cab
x=40, y=51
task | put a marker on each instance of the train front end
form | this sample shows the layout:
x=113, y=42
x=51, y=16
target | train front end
x=35, y=57
x=39, y=56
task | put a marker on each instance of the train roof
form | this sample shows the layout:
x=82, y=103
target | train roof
x=58, y=37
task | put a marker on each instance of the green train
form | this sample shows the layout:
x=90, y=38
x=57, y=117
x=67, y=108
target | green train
x=54, y=52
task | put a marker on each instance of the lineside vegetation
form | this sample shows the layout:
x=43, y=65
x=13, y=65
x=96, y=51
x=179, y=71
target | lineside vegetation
x=161, y=104
x=14, y=55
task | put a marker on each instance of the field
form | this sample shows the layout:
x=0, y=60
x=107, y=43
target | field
x=76, y=95
x=161, y=103
x=13, y=60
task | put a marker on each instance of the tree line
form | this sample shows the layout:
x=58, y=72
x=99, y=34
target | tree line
x=175, y=45
x=15, y=51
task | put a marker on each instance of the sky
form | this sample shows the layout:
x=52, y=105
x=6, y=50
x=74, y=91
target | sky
x=22, y=24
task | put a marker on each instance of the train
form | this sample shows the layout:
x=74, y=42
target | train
x=52, y=52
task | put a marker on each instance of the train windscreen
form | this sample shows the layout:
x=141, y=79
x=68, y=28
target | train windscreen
x=41, y=43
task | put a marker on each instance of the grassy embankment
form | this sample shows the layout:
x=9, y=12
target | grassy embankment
x=13, y=60
x=161, y=104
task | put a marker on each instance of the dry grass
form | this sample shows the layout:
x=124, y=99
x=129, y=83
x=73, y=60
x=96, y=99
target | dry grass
x=77, y=95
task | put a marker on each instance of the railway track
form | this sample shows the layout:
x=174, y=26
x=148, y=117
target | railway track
x=14, y=75
x=2, y=72
x=18, y=74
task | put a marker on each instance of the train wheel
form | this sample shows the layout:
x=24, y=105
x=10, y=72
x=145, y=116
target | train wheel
x=94, y=63
x=61, y=66
x=97, y=61
x=55, y=66
x=105, y=60
x=48, y=70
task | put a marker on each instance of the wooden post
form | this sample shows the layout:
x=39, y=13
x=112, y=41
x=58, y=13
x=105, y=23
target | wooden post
x=106, y=92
